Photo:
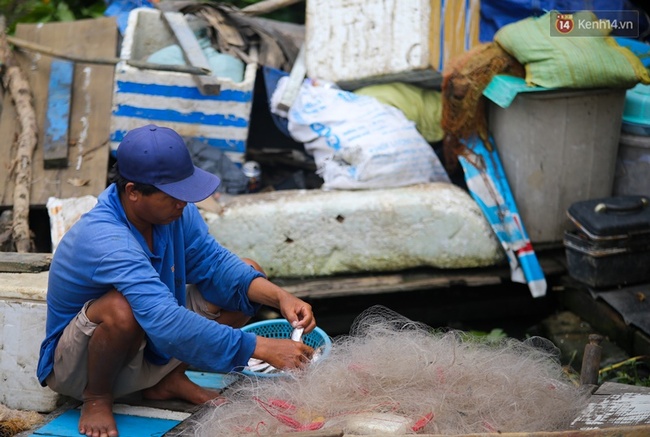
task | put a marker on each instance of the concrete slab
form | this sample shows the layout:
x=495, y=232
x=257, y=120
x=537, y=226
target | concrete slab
x=22, y=317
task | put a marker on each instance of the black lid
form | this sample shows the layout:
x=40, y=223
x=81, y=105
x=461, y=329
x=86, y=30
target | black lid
x=612, y=216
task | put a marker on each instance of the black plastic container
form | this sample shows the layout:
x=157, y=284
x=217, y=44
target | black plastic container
x=611, y=243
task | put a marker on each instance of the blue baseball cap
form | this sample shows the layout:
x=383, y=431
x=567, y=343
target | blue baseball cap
x=158, y=156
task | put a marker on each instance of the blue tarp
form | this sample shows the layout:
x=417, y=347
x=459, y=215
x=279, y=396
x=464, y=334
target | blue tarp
x=120, y=10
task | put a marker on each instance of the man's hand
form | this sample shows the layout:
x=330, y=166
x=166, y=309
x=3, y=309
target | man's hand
x=297, y=312
x=282, y=353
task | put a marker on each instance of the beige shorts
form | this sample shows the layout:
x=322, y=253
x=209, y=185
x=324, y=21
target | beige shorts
x=70, y=373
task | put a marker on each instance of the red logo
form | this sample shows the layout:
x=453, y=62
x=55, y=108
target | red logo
x=564, y=23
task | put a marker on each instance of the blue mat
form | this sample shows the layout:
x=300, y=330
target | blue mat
x=215, y=381
x=66, y=425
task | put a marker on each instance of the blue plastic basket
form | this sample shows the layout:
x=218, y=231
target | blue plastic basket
x=280, y=328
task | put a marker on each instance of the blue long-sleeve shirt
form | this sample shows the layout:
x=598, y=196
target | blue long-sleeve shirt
x=104, y=251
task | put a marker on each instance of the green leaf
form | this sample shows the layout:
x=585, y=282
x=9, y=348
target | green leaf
x=496, y=335
x=95, y=10
x=41, y=13
x=64, y=13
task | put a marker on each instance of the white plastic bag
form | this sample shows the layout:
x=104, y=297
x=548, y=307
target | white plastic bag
x=359, y=142
x=64, y=213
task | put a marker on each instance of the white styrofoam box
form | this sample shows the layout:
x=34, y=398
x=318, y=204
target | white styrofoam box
x=296, y=233
x=172, y=99
x=358, y=42
x=22, y=317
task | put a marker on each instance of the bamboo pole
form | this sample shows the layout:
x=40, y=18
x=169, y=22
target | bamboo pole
x=34, y=47
x=268, y=6
x=16, y=83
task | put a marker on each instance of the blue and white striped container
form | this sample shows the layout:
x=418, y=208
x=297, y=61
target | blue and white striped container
x=172, y=99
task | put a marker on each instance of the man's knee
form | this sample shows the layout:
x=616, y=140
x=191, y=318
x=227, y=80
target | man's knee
x=113, y=309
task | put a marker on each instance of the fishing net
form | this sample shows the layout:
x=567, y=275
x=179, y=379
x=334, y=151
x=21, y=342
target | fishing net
x=391, y=375
x=463, y=103
x=13, y=422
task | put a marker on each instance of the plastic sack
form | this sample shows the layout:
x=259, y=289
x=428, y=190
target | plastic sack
x=570, y=62
x=420, y=105
x=358, y=142
x=64, y=213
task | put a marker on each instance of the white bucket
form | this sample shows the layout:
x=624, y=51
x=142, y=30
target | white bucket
x=633, y=165
x=557, y=148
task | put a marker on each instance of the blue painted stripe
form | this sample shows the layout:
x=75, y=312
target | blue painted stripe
x=58, y=100
x=441, y=62
x=182, y=92
x=228, y=145
x=180, y=117
x=468, y=24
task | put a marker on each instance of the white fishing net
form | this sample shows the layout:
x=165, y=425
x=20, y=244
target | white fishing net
x=391, y=375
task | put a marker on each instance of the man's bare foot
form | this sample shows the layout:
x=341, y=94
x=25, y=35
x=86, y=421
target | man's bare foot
x=177, y=385
x=97, y=417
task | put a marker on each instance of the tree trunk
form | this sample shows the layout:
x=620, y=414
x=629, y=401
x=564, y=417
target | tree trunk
x=18, y=87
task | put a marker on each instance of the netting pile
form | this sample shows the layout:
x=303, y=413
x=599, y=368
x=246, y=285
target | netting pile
x=13, y=422
x=463, y=103
x=395, y=376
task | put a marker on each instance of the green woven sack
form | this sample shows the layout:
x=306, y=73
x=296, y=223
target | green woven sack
x=570, y=61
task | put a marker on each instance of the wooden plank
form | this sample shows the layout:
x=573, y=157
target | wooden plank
x=616, y=388
x=45, y=50
x=294, y=82
x=57, y=119
x=389, y=283
x=13, y=262
x=208, y=85
x=268, y=6
x=603, y=318
x=641, y=343
x=621, y=431
x=414, y=280
x=90, y=110
x=630, y=302
x=616, y=405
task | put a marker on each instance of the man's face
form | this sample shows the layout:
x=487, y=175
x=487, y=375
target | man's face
x=158, y=208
